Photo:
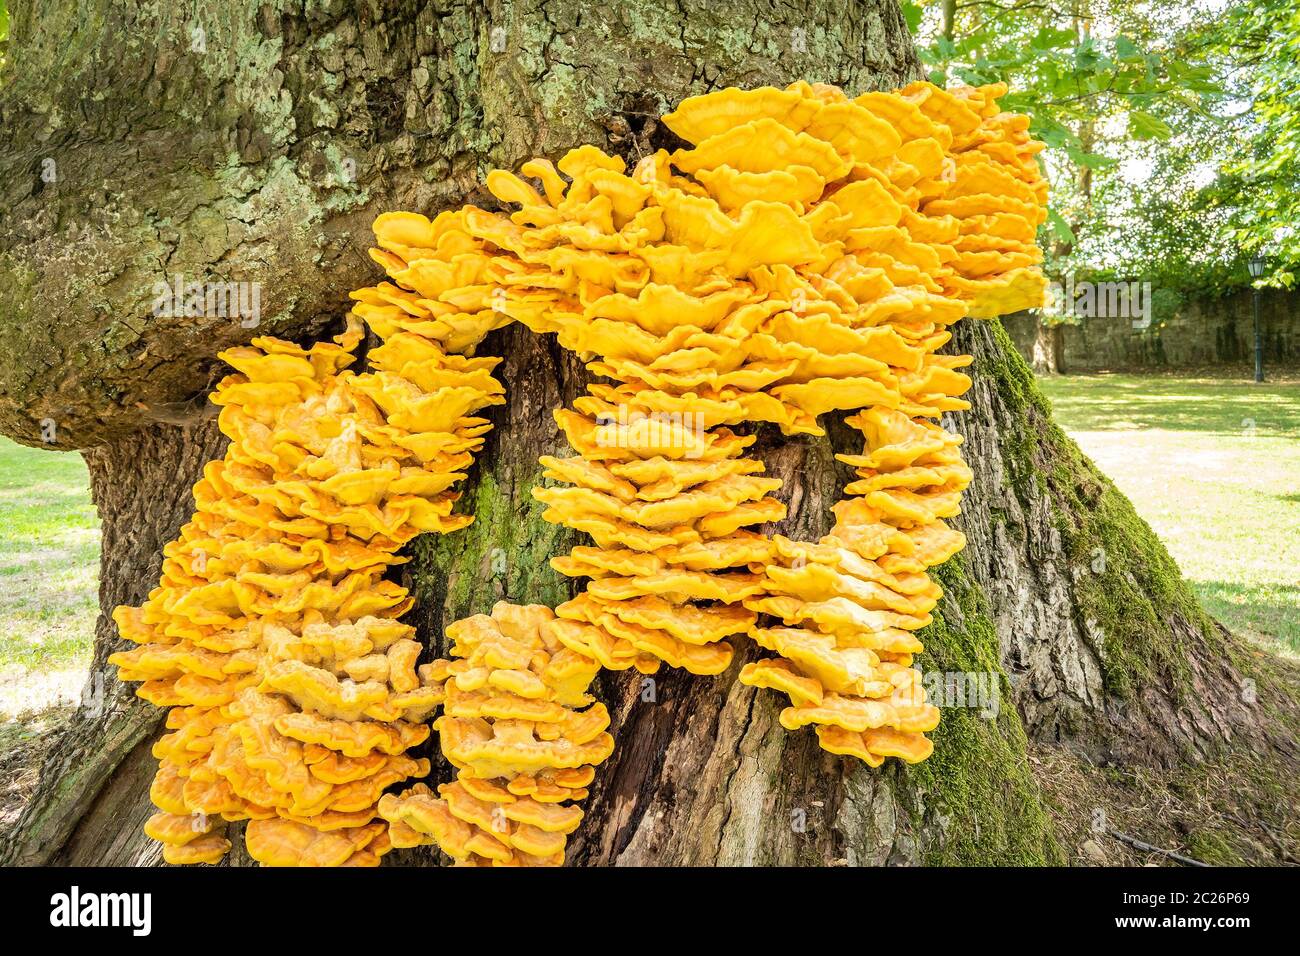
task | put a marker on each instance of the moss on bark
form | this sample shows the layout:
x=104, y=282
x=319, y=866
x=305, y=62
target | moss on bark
x=1128, y=589
x=977, y=786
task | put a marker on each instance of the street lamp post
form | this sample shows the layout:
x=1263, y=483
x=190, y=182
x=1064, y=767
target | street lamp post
x=1256, y=266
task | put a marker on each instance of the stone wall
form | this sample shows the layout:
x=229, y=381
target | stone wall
x=1201, y=332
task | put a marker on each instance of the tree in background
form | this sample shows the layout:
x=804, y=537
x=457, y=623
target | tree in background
x=1257, y=192
x=1172, y=130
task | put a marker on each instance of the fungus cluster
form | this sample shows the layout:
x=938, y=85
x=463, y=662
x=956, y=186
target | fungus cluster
x=803, y=253
x=524, y=736
x=273, y=636
x=806, y=253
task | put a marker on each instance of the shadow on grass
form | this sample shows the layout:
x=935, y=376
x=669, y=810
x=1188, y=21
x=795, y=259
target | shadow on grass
x=1271, y=609
x=1129, y=403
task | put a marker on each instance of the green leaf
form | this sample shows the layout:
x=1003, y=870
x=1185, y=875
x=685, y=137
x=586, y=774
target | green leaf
x=912, y=14
x=1126, y=49
x=1050, y=131
x=1060, y=227
x=1094, y=160
x=1143, y=125
x=1050, y=39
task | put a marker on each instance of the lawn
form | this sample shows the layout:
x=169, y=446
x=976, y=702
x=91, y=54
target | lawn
x=1214, y=467
x=49, y=560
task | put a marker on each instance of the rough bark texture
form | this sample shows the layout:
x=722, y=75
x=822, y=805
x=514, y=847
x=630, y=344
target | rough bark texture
x=1047, y=349
x=231, y=163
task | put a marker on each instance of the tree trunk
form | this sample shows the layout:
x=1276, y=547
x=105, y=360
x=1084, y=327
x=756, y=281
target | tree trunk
x=233, y=162
x=1048, y=352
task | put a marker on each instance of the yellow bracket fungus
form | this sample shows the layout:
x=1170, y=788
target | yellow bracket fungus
x=523, y=735
x=805, y=252
x=273, y=635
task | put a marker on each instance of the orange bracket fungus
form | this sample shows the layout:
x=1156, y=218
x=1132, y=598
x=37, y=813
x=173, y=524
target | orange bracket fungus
x=273, y=636
x=523, y=735
x=804, y=252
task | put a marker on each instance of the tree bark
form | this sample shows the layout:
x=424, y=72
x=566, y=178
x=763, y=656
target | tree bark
x=1047, y=351
x=232, y=163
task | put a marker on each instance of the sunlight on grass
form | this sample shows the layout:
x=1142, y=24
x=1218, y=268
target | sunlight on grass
x=49, y=563
x=1214, y=468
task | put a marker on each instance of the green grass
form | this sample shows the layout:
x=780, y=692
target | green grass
x=49, y=560
x=1214, y=467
